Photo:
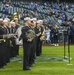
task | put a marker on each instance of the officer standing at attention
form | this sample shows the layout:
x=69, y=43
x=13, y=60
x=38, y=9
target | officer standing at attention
x=13, y=42
x=38, y=35
x=1, y=45
x=7, y=45
x=26, y=44
x=16, y=20
x=8, y=39
x=33, y=47
x=42, y=35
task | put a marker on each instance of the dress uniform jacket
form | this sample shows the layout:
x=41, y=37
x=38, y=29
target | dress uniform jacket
x=17, y=46
x=2, y=63
x=13, y=43
x=4, y=44
x=38, y=30
x=26, y=48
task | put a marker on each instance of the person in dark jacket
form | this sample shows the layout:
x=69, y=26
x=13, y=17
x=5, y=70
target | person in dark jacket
x=71, y=34
x=27, y=44
x=54, y=34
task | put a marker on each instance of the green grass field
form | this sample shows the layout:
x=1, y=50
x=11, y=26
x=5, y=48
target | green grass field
x=42, y=65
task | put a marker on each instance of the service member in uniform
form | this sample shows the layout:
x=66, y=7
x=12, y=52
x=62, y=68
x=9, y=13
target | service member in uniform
x=16, y=20
x=9, y=25
x=38, y=34
x=5, y=52
x=7, y=43
x=42, y=37
x=13, y=43
x=8, y=38
x=33, y=48
x=27, y=43
x=35, y=39
x=1, y=45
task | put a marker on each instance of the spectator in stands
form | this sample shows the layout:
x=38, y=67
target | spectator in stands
x=6, y=9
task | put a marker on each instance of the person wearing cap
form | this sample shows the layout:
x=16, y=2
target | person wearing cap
x=7, y=44
x=42, y=35
x=16, y=20
x=1, y=45
x=33, y=48
x=4, y=50
x=34, y=21
x=27, y=43
x=9, y=25
x=1, y=21
x=38, y=34
x=1, y=24
x=13, y=51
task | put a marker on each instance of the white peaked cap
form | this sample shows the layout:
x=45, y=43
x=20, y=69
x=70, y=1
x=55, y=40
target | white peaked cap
x=7, y=4
x=15, y=13
x=5, y=20
x=15, y=18
x=27, y=18
x=34, y=18
x=38, y=21
x=12, y=22
x=31, y=20
x=41, y=20
x=1, y=19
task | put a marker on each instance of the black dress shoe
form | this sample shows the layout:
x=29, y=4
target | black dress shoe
x=1, y=67
x=31, y=65
x=27, y=68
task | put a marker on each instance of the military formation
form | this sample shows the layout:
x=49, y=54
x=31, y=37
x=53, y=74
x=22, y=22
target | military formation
x=32, y=34
x=40, y=21
x=32, y=31
x=8, y=47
